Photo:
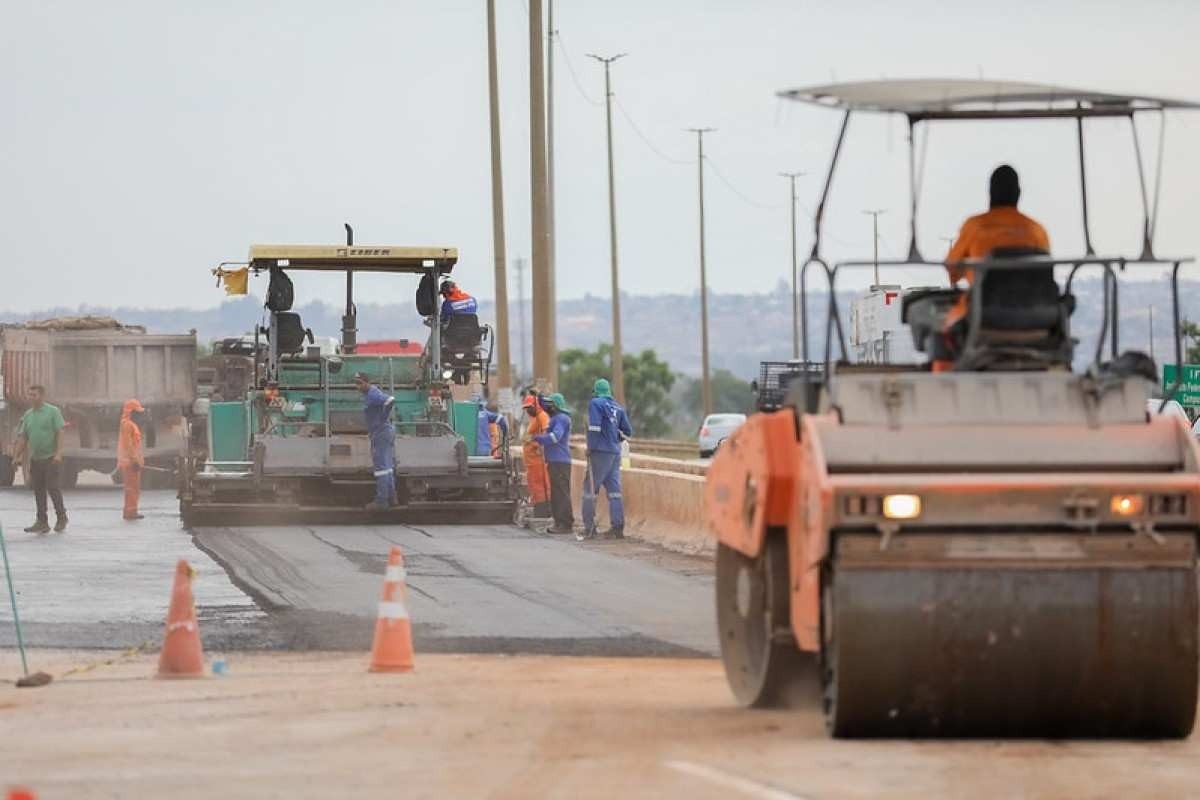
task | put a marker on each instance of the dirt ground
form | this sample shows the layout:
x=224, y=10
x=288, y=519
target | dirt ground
x=318, y=725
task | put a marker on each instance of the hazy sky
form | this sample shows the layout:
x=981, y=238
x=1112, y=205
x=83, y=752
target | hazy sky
x=143, y=142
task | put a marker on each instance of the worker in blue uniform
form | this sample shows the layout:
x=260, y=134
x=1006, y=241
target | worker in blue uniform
x=456, y=301
x=608, y=426
x=377, y=407
x=486, y=441
x=556, y=445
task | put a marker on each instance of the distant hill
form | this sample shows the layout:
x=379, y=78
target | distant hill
x=744, y=328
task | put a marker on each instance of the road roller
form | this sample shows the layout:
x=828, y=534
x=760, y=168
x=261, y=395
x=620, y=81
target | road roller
x=1004, y=546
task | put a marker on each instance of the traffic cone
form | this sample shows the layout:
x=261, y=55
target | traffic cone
x=17, y=793
x=182, y=655
x=393, y=650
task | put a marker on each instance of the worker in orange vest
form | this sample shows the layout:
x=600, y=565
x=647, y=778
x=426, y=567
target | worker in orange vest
x=131, y=457
x=1002, y=225
x=537, y=476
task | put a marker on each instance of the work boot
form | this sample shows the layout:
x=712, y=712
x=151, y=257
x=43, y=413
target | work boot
x=134, y=516
x=559, y=530
x=41, y=526
x=585, y=534
x=615, y=532
x=375, y=505
x=60, y=524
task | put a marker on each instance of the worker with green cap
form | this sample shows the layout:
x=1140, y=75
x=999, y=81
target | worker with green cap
x=608, y=426
x=556, y=445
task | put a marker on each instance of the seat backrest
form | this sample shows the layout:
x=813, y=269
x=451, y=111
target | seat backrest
x=291, y=332
x=462, y=331
x=1020, y=299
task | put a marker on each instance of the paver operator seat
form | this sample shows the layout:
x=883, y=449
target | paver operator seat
x=1024, y=321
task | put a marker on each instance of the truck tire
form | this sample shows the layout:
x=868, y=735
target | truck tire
x=8, y=471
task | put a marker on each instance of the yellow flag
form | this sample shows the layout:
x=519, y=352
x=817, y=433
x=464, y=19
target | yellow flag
x=235, y=280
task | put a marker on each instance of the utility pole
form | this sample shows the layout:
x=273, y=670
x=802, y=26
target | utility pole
x=791, y=176
x=499, y=256
x=545, y=355
x=705, y=385
x=1151, y=333
x=522, y=363
x=551, y=224
x=618, y=366
x=875, y=238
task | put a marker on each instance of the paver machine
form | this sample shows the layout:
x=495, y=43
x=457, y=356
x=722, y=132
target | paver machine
x=1004, y=548
x=296, y=446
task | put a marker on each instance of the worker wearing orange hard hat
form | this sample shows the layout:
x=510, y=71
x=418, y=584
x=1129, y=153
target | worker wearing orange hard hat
x=537, y=476
x=131, y=457
x=1001, y=226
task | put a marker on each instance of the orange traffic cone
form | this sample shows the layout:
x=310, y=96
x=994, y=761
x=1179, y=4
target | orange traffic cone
x=182, y=655
x=17, y=793
x=393, y=651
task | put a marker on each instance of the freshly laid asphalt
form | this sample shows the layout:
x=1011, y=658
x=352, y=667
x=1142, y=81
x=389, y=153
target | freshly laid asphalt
x=105, y=583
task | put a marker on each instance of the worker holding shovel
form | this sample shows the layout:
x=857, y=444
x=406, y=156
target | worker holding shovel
x=131, y=457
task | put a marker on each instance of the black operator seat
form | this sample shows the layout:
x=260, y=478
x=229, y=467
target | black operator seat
x=292, y=332
x=1025, y=321
x=1022, y=298
x=462, y=333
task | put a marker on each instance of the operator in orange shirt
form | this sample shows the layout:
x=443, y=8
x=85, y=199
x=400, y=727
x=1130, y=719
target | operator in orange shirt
x=1000, y=226
x=131, y=457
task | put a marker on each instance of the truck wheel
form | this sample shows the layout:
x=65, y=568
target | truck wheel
x=8, y=471
x=763, y=665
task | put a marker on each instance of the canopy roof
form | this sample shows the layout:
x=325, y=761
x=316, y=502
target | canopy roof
x=359, y=258
x=955, y=98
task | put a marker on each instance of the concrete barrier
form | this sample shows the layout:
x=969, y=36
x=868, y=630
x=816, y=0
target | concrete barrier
x=662, y=507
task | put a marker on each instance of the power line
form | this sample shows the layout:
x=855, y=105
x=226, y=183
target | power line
x=736, y=191
x=571, y=69
x=645, y=139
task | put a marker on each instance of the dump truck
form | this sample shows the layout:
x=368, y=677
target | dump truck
x=90, y=366
x=1007, y=547
x=296, y=445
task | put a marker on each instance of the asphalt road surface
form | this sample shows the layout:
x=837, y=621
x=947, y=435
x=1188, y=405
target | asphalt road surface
x=472, y=588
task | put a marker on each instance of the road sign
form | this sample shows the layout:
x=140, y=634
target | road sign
x=1189, y=390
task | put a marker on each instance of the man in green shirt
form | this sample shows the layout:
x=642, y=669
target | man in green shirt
x=40, y=433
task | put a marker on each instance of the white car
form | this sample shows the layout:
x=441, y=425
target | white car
x=1172, y=409
x=715, y=429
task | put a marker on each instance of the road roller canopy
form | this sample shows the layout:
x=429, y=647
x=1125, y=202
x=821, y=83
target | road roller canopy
x=353, y=258
x=956, y=98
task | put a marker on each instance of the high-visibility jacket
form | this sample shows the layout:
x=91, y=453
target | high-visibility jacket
x=608, y=424
x=556, y=441
x=536, y=475
x=129, y=439
x=459, y=302
x=1000, y=226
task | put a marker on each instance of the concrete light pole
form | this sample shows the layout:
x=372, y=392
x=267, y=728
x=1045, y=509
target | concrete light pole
x=499, y=258
x=705, y=385
x=618, y=367
x=545, y=354
x=875, y=237
x=791, y=176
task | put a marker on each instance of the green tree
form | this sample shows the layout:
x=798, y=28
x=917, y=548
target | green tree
x=730, y=394
x=648, y=383
x=1191, y=336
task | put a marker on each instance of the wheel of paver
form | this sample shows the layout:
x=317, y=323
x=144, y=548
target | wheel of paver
x=762, y=663
x=8, y=471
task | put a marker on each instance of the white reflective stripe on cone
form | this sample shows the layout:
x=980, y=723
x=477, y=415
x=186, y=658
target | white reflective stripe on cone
x=395, y=573
x=392, y=610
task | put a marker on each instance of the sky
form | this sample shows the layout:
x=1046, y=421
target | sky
x=145, y=142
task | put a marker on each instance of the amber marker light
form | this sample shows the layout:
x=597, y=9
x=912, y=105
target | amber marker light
x=901, y=506
x=1127, y=505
